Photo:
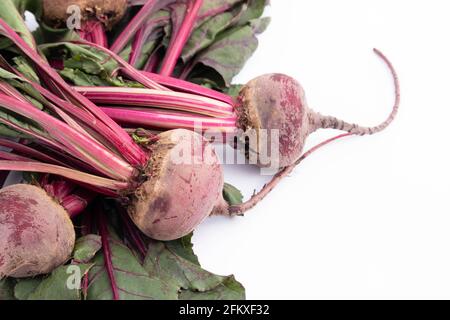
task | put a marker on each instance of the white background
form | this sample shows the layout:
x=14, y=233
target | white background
x=366, y=217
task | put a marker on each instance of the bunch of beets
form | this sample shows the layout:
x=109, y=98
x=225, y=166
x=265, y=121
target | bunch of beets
x=109, y=109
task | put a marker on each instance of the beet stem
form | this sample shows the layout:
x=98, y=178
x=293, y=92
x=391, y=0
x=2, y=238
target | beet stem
x=64, y=172
x=103, y=229
x=77, y=202
x=58, y=188
x=143, y=97
x=86, y=229
x=9, y=156
x=28, y=151
x=189, y=87
x=119, y=137
x=136, y=46
x=74, y=141
x=94, y=31
x=179, y=40
x=142, y=37
x=151, y=118
x=133, y=233
x=136, y=23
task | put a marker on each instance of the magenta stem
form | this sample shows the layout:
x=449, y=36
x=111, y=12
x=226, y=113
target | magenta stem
x=151, y=119
x=138, y=97
x=137, y=45
x=142, y=36
x=63, y=172
x=89, y=119
x=44, y=139
x=73, y=201
x=179, y=40
x=126, y=145
x=10, y=91
x=189, y=87
x=28, y=151
x=107, y=254
x=91, y=151
x=58, y=189
x=94, y=31
x=67, y=160
x=150, y=7
x=154, y=60
x=133, y=233
x=77, y=202
x=4, y=155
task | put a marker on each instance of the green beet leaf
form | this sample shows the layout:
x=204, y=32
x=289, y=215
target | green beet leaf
x=232, y=195
x=25, y=287
x=228, y=289
x=7, y=289
x=184, y=248
x=188, y=278
x=86, y=248
x=224, y=43
x=228, y=55
x=130, y=277
x=64, y=283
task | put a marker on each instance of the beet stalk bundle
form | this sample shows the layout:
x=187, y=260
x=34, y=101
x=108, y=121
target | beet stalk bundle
x=170, y=185
x=267, y=103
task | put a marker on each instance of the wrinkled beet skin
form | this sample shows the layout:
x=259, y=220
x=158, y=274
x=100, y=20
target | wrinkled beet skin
x=36, y=234
x=176, y=198
x=107, y=11
x=276, y=101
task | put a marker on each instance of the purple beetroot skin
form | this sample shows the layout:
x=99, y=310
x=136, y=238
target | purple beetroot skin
x=185, y=181
x=36, y=233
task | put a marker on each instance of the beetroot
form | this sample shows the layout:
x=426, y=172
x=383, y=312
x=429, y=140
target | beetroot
x=185, y=181
x=277, y=102
x=36, y=233
x=274, y=102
